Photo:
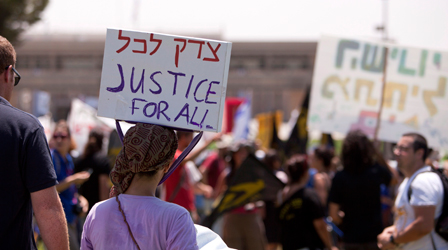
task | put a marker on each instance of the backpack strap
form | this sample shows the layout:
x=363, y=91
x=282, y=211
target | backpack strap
x=410, y=189
x=437, y=223
x=432, y=241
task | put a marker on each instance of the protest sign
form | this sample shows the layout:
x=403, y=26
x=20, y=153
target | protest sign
x=165, y=80
x=81, y=119
x=347, y=90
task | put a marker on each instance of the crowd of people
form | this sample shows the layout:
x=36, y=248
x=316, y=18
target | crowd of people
x=328, y=201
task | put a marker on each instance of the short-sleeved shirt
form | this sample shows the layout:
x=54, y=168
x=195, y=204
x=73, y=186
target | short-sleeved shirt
x=358, y=195
x=99, y=165
x=185, y=195
x=155, y=224
x=26, y=167
x=427, y=190
x=296, y=216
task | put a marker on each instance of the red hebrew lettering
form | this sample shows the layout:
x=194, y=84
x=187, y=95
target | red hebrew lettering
x=216, y=59
x=158, y=41
x=121, y=37
x=182, y=41
x=176, y=60
x=144, y=46
x=200, y=46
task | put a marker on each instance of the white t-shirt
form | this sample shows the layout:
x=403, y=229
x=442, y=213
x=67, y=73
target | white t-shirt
x=209, y=240
x=427, y=190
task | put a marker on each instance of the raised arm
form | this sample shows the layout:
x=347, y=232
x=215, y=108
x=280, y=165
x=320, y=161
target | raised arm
x=50, y=218
x=78, y=178
x=198, y=150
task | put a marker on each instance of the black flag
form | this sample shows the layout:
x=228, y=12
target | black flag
x=296, y=143
x=276, y=142
x=327, y=141
x=253, y=181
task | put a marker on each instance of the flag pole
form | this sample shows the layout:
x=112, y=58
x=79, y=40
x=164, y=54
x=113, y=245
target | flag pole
x=383, y=87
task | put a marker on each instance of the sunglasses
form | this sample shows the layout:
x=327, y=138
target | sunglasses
x=17, y=77
x=56, y=136
x=401, y=149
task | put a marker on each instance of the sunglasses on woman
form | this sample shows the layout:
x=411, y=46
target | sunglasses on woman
x=62, y=136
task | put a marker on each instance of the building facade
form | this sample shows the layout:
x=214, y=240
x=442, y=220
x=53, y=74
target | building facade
x=57, y=69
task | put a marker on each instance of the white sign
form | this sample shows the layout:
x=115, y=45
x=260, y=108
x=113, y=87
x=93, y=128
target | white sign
x=165, y=80
x=81, y=119
x=347, y=90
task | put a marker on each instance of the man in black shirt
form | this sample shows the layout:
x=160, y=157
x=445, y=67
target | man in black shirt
x=28, y=179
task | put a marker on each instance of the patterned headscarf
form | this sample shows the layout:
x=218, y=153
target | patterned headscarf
x=146, y=147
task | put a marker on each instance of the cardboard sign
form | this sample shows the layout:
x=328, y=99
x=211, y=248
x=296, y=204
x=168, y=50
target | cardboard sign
x=347, y=90
x=165, y=80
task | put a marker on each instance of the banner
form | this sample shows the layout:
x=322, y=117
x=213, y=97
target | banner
x=253, y=181
x=241, y=120
x=81, y=119
x=347, y=90
x=231, y=106
x=165, y=80
x=268, y=126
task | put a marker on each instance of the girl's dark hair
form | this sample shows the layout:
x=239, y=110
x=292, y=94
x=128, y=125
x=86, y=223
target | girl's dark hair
x=270, y=158
x=358, y=152
x=232, y=164
x=296, y=167
x=94, y=143
x=324, y=154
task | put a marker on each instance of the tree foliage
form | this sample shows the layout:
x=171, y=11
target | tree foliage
x=17, y=16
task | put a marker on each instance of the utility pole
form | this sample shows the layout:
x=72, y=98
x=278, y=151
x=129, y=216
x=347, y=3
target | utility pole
x=385, y=38
x=383, y=27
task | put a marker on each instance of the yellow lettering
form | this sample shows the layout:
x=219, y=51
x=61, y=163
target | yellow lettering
x=331, y=80
x=429, y=94
x=240, y=193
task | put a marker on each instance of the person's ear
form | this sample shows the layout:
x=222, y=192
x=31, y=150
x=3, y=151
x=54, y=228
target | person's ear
x=166, y=168
x=6, y=75
x=419, y=153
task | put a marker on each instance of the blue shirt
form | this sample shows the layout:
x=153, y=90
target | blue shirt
x=63, y=170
